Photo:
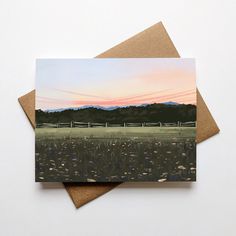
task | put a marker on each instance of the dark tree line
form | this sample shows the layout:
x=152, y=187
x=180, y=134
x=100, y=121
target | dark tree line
x=150, y=113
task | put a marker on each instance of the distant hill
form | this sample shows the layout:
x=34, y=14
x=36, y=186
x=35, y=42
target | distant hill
x=109, y=108
x=171, y=103
x=157, y=112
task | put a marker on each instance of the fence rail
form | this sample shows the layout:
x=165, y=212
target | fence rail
x=77, y=124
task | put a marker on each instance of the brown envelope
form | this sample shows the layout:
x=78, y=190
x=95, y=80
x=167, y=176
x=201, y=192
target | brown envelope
x=152, y=42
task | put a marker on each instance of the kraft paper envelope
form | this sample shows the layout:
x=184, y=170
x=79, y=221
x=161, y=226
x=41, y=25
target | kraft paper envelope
x=152, y=42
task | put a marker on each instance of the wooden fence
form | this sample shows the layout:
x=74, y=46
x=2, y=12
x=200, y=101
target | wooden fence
x=76, y=124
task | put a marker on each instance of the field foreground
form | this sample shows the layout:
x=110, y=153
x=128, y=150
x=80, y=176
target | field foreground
x=115, y=154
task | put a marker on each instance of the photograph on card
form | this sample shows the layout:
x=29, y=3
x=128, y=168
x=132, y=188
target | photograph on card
x=115, y=120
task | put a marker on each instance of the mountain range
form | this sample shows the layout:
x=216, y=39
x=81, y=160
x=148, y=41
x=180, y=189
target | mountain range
x=109, y=108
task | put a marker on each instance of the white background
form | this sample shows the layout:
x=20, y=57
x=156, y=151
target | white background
x=203, y=29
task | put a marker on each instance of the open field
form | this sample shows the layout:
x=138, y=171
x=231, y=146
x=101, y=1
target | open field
x=116, y=154
x=118, y=132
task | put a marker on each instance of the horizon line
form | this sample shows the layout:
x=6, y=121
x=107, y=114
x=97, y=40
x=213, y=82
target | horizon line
x=124, y=106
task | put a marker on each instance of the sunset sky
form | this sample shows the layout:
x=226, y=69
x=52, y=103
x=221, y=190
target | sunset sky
x=63, y=83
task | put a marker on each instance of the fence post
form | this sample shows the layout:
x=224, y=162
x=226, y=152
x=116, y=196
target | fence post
x=88, y=124
x=71, y=124
x=160, y=124
x=124, y=124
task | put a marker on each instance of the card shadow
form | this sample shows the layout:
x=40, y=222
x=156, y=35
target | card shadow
x=131, y=185
x=51, y=185
x=156, y=185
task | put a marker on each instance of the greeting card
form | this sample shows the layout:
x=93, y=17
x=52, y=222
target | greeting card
x=115, y=120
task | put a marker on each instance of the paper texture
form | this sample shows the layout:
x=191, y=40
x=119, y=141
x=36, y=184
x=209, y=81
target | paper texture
x=152, y=42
